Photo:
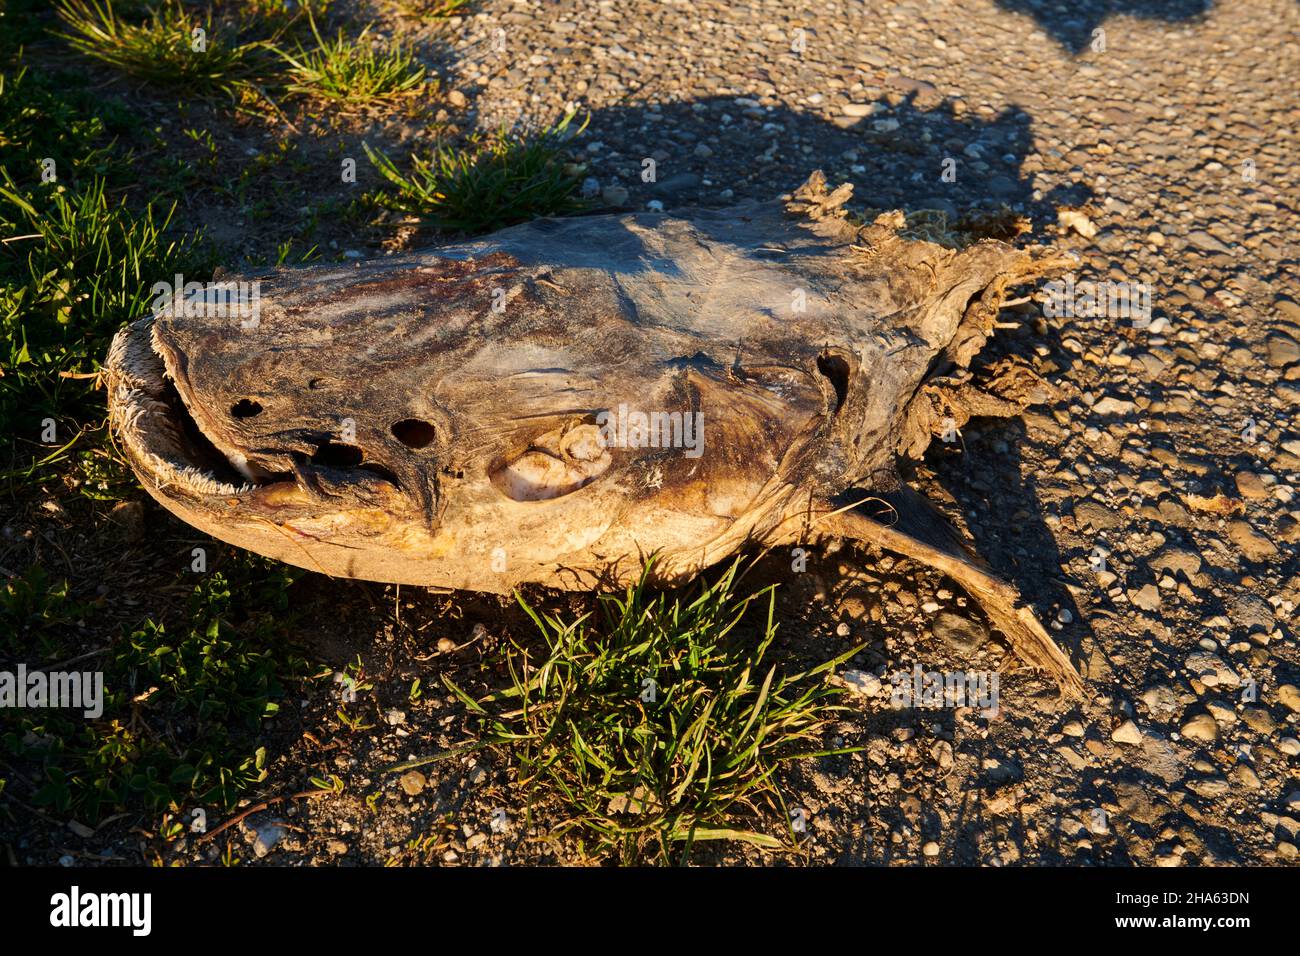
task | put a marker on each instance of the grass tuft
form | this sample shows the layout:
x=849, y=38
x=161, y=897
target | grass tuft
x=78, y=265
x=499, y=180
x=662, y=728
x=171, y=49
x=352, y=72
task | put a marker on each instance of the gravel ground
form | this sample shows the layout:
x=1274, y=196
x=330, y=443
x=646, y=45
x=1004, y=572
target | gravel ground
x=1148, y=511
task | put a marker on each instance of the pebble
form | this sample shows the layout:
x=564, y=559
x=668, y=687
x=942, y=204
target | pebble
x=1147, y=597
x=412, y=783
x=1201, y=728
x=1127, y=733
x=862, y=683
x=1250, y=485
x=266, y=836
x=961, y=634
x=1254, y=545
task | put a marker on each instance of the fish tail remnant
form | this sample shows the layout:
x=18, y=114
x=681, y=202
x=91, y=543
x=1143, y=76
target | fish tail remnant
x=921, y=534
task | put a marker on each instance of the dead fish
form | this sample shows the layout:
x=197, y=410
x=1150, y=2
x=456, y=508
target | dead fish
x=560, y=401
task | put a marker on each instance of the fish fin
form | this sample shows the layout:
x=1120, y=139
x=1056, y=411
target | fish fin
x=912, y=527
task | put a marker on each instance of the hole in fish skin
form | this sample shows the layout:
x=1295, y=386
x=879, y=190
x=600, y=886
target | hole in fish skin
x=337, y=455
x=836, y=371
x=245, y=408
x=413, y=432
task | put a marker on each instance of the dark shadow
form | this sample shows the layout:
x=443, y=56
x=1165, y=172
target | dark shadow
x=1072, y=22
x=717, y=151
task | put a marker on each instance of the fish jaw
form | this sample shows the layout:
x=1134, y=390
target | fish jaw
x=312, y=515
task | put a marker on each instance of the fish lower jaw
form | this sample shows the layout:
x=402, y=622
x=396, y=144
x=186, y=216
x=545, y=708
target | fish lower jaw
x=159, y=432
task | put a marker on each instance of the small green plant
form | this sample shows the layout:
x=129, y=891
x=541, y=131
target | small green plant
x=32, y=606
x=210, y=683
x=40, y=121
x=498, y=180
x=352, y=72
x=662, y=728
x=171, y=49
x=79, y=267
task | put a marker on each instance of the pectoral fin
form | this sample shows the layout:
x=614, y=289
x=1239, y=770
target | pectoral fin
x=909, y=525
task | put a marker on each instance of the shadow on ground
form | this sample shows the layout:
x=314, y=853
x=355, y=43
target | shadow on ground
x=907, y=152
x=1072, y=23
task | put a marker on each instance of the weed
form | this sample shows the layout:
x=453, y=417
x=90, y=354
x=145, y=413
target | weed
x=500, y=180
x=352, y=72
x=210, y=683
x=170, y=49
x=76, y=268
x=662, y=728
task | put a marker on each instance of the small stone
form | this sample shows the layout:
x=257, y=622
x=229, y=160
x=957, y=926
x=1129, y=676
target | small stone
x=1259, y=720
x=1201, y=728
x=614, y=195
x=1289, y=746
x=1250, y=485
x=1288, y=695
x=1254, y=545
x=1243, y=776
x=446, y=644
x=395, y=717
x=1282, y=350
x=412, y=783
x=336, y=847
x=931, y=849
x=1114, y=406
x=1221, y=712
x=862, y=683
x=457, y=99
x=1147, y=597
x=1127, y=733
x=962, y=635
x=266, y=837
x=1211, y=670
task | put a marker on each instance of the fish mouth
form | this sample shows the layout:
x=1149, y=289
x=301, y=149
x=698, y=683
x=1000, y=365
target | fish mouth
x=167, y=440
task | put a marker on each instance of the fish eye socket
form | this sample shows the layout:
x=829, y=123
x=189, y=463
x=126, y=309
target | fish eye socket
x=245, y=408
x=413, y=432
